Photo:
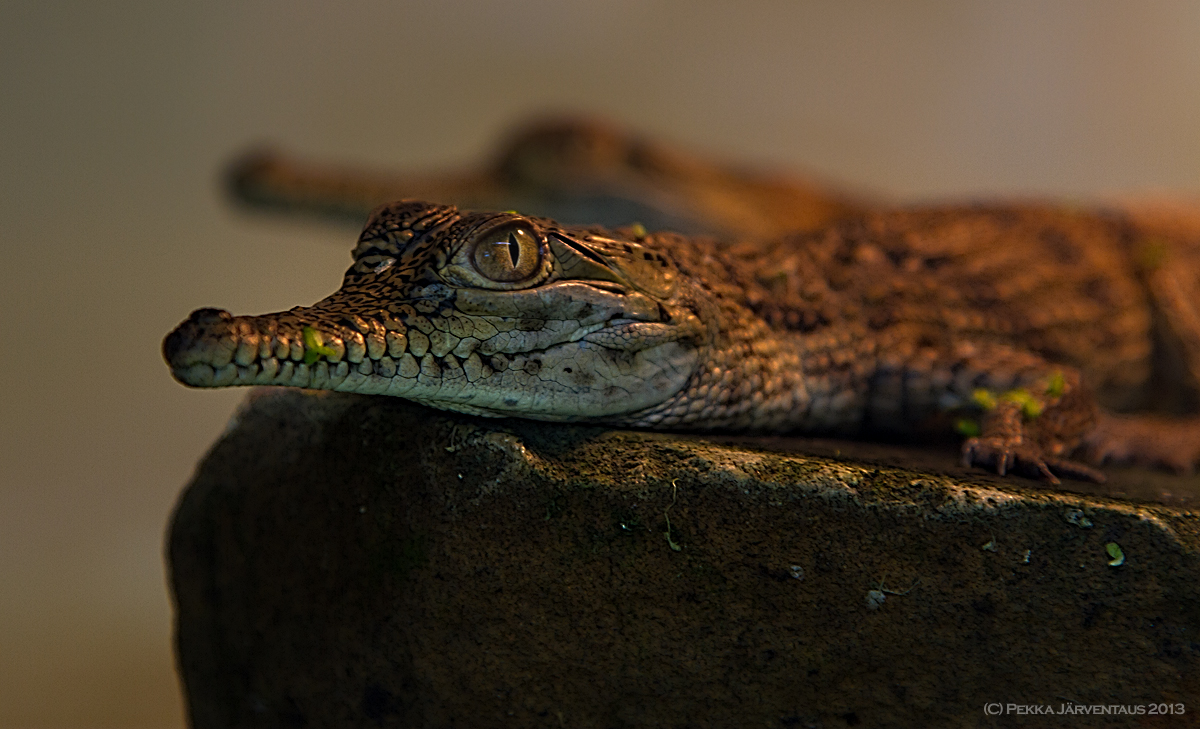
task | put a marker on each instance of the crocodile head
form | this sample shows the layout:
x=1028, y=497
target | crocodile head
x=486, y=313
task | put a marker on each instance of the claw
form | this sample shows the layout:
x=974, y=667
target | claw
x=1005, y=462
x=1046, y=474
x=968, y=452
x=1077, y=471
x=1024, y=459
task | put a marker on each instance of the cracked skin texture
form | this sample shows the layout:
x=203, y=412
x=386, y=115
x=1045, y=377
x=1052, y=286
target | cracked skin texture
x=891, y=323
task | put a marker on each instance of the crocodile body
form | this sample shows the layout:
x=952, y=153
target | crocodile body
x=574, y=170
x=896, y=321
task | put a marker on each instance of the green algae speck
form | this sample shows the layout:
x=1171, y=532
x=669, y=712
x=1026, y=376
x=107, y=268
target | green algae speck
x=967, y=427
x=984, y=398
x=314, y=346
x=1118, y=556
x=1057, y=385
x=1031, y=407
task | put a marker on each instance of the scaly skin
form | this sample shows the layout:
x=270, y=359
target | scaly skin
x=884, y=323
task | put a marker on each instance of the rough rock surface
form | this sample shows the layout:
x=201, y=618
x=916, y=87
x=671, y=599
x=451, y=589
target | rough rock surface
x=344, y=561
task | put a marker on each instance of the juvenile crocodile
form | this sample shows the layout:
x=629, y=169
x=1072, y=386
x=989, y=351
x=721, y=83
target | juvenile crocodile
x=576, y=170
x=1038, y=322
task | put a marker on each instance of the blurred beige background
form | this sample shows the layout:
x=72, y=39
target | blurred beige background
x=115, y=119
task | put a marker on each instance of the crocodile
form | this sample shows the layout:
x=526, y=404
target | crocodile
x=576, y=170
x=1053, y=338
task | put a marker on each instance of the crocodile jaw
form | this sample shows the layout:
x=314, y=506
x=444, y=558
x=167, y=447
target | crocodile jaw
x=594, y=371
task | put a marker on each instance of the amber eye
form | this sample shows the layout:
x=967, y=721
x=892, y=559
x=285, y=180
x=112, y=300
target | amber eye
x=507, y=254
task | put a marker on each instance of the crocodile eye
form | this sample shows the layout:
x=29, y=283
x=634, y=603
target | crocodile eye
x=507, y=254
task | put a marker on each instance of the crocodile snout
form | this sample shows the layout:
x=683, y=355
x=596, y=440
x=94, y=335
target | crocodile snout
x=179, y=347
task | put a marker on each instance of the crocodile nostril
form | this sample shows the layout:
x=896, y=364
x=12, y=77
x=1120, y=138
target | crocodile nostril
x=209, y=315
x=179, y=346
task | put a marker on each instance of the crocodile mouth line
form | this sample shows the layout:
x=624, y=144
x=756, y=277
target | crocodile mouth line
x=257, y=352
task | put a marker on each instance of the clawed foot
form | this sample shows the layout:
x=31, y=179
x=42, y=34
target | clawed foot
x=1014, y=455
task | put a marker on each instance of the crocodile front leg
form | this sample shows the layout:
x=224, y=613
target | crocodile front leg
x=1010, y=442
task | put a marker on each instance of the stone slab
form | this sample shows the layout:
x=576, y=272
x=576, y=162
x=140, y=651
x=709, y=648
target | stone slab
x=343, y=560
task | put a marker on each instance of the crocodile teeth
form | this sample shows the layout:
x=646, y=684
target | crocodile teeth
x=300, y=375
x=223, y=355
x=318, y=375
x=247, y=351
x=376, y=346
x=247, y=374
x=397, y=343
x=197, y=375
x=339, y=349
x=355, y=348
x=225, y=375
x=270, y=367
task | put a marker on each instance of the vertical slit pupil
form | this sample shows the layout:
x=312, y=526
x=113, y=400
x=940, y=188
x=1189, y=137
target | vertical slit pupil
x=514, y=249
